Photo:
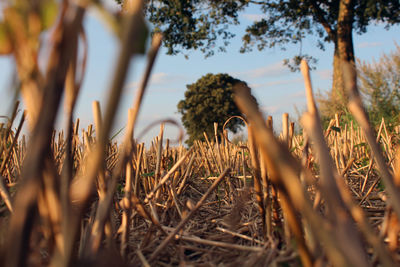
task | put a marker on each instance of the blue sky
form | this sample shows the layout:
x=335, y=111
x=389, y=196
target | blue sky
x=276, y=88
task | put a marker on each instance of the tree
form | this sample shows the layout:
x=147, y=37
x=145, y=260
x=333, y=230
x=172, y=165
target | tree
x=209, y=100
x=197, y=24
x=380, y=84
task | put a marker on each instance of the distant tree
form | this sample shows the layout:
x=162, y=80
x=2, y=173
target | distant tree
x=198, y=24
x=379, y=82
x=209, y=100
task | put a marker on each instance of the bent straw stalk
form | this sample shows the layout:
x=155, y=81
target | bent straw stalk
x=257, y=178
x=188, y=216
x=81, y=189
x=282, y=164
x=55, y=221
x=329, y=188
x=25, y=202
x=4, y=193
x=356, y=108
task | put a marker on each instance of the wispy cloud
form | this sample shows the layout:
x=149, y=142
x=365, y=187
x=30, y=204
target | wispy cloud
x=271, y=109
x=160, y=78
x=157, y=79
x=254, y=17
x=369, y=44
x=275, y=83
x=168, y=89
x=297, y=94
x=273, y=70
x=325, y=74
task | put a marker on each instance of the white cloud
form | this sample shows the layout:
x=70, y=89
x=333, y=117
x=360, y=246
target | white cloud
x=177, y=89
x=157, y=79
x=325, y=74
x=297, y=94
x=254, y=17
x=160, y=78
x=369, y=44
x=255, y=85
x=270, y=109
x=131, y=85
x=276, y=83
x=273, y=70
x=285, y=82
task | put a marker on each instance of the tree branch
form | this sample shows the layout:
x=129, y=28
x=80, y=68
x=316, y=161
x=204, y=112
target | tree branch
x=321, y=19
x=242, y=4
x=256, y=2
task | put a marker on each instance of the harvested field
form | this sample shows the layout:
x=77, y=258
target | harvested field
x=165, y=193
x=315, y=197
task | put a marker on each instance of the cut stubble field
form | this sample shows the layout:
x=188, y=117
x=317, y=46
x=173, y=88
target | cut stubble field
x=321, y=197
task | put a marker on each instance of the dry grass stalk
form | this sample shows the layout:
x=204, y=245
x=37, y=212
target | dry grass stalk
x=159, y=151
x=219, y=244
x=281, y=164
x=132, y=29
x=356, y=108
x=262, y=136
x=51, y=215
x=165, y=178
x=285, y=129
x=65, y=40
x=359, y=216
x=218, y=147
x=5, y=194
x=257, y=178
x=212, y=152
x=188, y=216
x=123, y=159
x=329, y=189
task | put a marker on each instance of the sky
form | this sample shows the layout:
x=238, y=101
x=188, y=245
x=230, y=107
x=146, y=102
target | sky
x=276, y=88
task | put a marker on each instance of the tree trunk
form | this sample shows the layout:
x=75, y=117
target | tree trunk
x=344, y=51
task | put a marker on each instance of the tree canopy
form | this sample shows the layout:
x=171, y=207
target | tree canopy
x=209, y=100
x=196, y=24
x=199, y=24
